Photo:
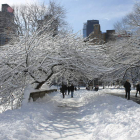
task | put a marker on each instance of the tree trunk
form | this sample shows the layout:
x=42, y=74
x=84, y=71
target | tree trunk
x=41, y=83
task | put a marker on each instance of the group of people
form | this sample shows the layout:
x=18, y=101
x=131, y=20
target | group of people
x=127, y=87
x=67, y=89
x=96, y=88
x=70, y=89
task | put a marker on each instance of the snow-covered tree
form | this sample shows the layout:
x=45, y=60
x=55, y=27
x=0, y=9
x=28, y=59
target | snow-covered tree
x=41, y=57
x=123, y=57
x=130, y=23
x=123, y=54
x=29, y=16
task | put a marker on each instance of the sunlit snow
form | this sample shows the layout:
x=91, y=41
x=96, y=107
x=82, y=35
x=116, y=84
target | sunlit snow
x=89, y=115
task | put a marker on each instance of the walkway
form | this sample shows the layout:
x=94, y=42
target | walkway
x=132, y=97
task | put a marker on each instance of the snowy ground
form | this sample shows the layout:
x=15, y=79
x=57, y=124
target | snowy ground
x=89, y=115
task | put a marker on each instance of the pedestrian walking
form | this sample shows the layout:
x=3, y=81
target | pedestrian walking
x=65, y=89
x=62, y=90
x=78, y=87
x=72, y=90
x=137, y=89
x=96, y=88
x=68, y=88
x=127, y=87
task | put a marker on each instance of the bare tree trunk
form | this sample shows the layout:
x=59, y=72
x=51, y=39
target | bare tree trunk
x=41, y=83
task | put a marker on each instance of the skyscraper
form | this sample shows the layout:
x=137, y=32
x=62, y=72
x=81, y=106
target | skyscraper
x=89, y=27
x=85, y=30
x=6, y=23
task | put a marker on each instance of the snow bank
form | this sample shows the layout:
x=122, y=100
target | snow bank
x=26, y=95
x=89, y=115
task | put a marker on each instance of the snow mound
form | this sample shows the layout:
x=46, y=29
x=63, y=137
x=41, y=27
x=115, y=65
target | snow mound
x=89, y=115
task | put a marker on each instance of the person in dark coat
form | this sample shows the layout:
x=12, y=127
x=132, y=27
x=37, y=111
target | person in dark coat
x=127, y=87
x=63, y=89
x=68, y=88
x=137, y=89
x=96, y=88
x=72, y=90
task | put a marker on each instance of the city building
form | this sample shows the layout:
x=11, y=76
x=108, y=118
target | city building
x=89, y=27
x=110, y=35
x=93, y=34
x=85, y=30
x=97, y=37
x=6, y=24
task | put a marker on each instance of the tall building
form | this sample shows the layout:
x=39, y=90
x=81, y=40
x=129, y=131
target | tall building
x=85, y=30
x=6, y=23
x=97, y=37
x=89, y=27
x=110, y=35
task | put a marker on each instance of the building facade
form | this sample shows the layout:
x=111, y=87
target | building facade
x=85, y=30
x=6, y=24
x=93, y=34
x=110, y=35
x=89, y=27
x=97, y=37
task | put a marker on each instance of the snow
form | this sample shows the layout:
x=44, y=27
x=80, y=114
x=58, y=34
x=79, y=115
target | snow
x=89, y=115
x=26, y=96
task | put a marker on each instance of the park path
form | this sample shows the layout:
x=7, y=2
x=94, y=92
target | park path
x=132, y=97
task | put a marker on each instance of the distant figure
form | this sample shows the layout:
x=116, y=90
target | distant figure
x=68, y=88
x=87, y=88
x=63, y=90
x=137, y=89
x=96, y=88
x=78, y=87
x=72, y=90
x=127, y=87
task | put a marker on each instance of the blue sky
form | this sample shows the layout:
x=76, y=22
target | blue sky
x=108, y=12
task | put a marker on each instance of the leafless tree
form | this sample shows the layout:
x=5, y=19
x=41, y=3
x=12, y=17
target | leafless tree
x=28, y=17
x=130, y=23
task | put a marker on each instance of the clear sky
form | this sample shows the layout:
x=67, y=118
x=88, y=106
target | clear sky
x=107, y=12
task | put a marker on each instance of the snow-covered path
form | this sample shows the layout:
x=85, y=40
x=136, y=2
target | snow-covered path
x=88, y=116
x=66, y=124
x=50, y=118
x=65, y=121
